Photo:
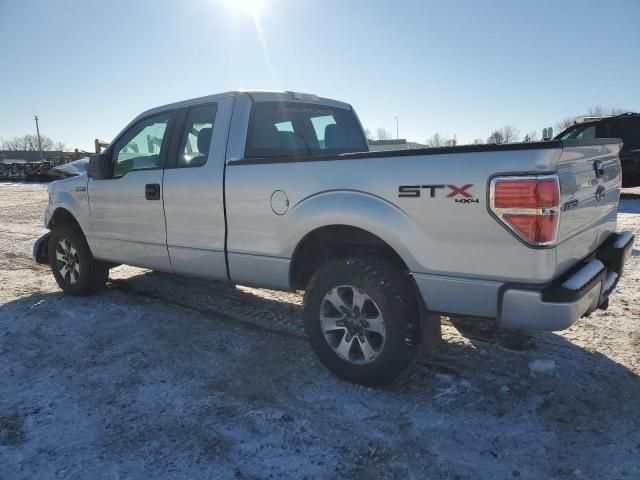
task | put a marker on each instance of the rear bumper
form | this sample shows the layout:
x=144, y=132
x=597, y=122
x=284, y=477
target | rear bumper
x=579, y=292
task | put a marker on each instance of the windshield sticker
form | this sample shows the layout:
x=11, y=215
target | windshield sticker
x=303, y=109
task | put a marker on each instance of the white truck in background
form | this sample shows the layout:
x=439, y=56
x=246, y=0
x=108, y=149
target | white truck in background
x=278, y=190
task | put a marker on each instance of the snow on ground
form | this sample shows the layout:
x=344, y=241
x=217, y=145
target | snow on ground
x=167, y=377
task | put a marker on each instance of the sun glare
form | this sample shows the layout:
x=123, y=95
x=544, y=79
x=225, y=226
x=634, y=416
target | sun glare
x=253, y=7
x=256, y=9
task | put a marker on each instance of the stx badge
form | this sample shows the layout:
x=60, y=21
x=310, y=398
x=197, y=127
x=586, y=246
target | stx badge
x=415, y=191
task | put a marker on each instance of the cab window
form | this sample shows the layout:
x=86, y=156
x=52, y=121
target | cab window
x=196, y=137
x=140, y=148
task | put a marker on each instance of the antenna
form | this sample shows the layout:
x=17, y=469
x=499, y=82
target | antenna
x=38, y=130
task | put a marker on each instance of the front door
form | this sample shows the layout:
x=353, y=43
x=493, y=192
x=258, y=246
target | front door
x=127, y=215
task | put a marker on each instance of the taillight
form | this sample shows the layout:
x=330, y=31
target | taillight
x=529, y=206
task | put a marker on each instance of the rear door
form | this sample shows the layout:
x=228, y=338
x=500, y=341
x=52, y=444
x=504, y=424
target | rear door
x=127, y=215
x=194, y=189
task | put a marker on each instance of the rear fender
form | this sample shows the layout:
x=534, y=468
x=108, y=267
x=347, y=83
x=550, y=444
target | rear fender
x=356, y=209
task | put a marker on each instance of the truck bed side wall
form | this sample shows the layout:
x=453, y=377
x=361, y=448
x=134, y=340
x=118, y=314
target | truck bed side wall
x=453, y=248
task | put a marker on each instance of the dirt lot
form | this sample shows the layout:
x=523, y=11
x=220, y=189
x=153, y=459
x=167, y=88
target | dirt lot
x=167, y=377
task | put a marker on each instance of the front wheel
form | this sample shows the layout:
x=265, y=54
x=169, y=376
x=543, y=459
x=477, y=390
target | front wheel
x=72, y=263
x=360, y=315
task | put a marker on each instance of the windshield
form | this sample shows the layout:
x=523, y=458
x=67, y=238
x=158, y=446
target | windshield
x=281, y=129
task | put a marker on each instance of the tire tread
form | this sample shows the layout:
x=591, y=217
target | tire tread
x=395, y=286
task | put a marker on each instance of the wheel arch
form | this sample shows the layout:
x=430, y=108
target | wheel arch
x=62, y=216
x=329, y=241
x=339, y=218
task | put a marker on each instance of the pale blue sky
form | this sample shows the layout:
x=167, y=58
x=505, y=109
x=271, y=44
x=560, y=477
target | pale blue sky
x=460, y=67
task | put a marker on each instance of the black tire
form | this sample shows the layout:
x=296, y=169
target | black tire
x=393, y=295
x=91, y=275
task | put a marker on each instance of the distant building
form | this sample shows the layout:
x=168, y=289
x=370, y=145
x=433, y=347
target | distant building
x=28, y=156
x=399, y=144
x=25, y=156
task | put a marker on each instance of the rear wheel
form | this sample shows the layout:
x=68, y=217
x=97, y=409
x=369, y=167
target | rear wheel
x=72, y=263
x=360, y=315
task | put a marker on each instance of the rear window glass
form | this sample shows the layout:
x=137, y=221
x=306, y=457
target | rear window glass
x=281, y=129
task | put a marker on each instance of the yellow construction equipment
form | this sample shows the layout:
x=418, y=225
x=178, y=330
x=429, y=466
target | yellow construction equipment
x=100, y=144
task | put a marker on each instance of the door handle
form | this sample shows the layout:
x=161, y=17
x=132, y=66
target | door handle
x=152, y=191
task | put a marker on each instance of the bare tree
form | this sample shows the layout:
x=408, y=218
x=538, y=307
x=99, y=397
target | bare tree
x=477, y=141
x=368, y=134
x=532, y=136
x=565, y=123
x=617, y=111
x=496, y=137
x=506, y=134
x=599, y=111
x=452, y=142
x=510, y=133
x=437, y=140
x=382, y=133
x=596, y=111
x=30, y=143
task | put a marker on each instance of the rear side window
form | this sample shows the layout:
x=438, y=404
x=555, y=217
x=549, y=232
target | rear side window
x=282, y=129
x=196, y=137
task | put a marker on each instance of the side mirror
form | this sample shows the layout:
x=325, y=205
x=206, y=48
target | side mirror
x=100, y=166
x=547, y=134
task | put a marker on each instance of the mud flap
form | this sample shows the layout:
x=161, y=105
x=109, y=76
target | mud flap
x=430, y=329
x=41, y=249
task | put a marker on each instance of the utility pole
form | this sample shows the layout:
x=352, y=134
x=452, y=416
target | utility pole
x=39, y=143
x=397, y=136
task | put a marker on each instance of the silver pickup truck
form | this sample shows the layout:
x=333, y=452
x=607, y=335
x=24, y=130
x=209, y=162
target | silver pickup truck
x=278, y=190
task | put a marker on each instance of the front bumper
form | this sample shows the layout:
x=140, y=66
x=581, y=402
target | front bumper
x=577, y=293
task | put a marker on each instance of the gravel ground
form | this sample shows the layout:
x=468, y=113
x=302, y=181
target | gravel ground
x=166, y=377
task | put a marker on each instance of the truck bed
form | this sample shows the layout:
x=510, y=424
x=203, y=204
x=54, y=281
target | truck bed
x=457, y=248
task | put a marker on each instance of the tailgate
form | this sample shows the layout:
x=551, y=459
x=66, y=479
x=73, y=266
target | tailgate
x=590, y=179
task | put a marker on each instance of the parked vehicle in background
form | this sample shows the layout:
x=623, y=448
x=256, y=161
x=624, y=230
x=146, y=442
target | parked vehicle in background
x=278, y=190
x=626, y=127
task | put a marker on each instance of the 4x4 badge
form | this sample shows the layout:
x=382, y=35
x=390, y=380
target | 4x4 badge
x=415, y=191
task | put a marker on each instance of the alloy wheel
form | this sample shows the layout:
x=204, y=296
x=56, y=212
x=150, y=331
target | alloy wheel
x=67, y=261
x=352, y=324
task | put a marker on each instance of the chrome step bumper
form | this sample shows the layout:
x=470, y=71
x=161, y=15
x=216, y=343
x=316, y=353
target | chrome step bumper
x=577, y=293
